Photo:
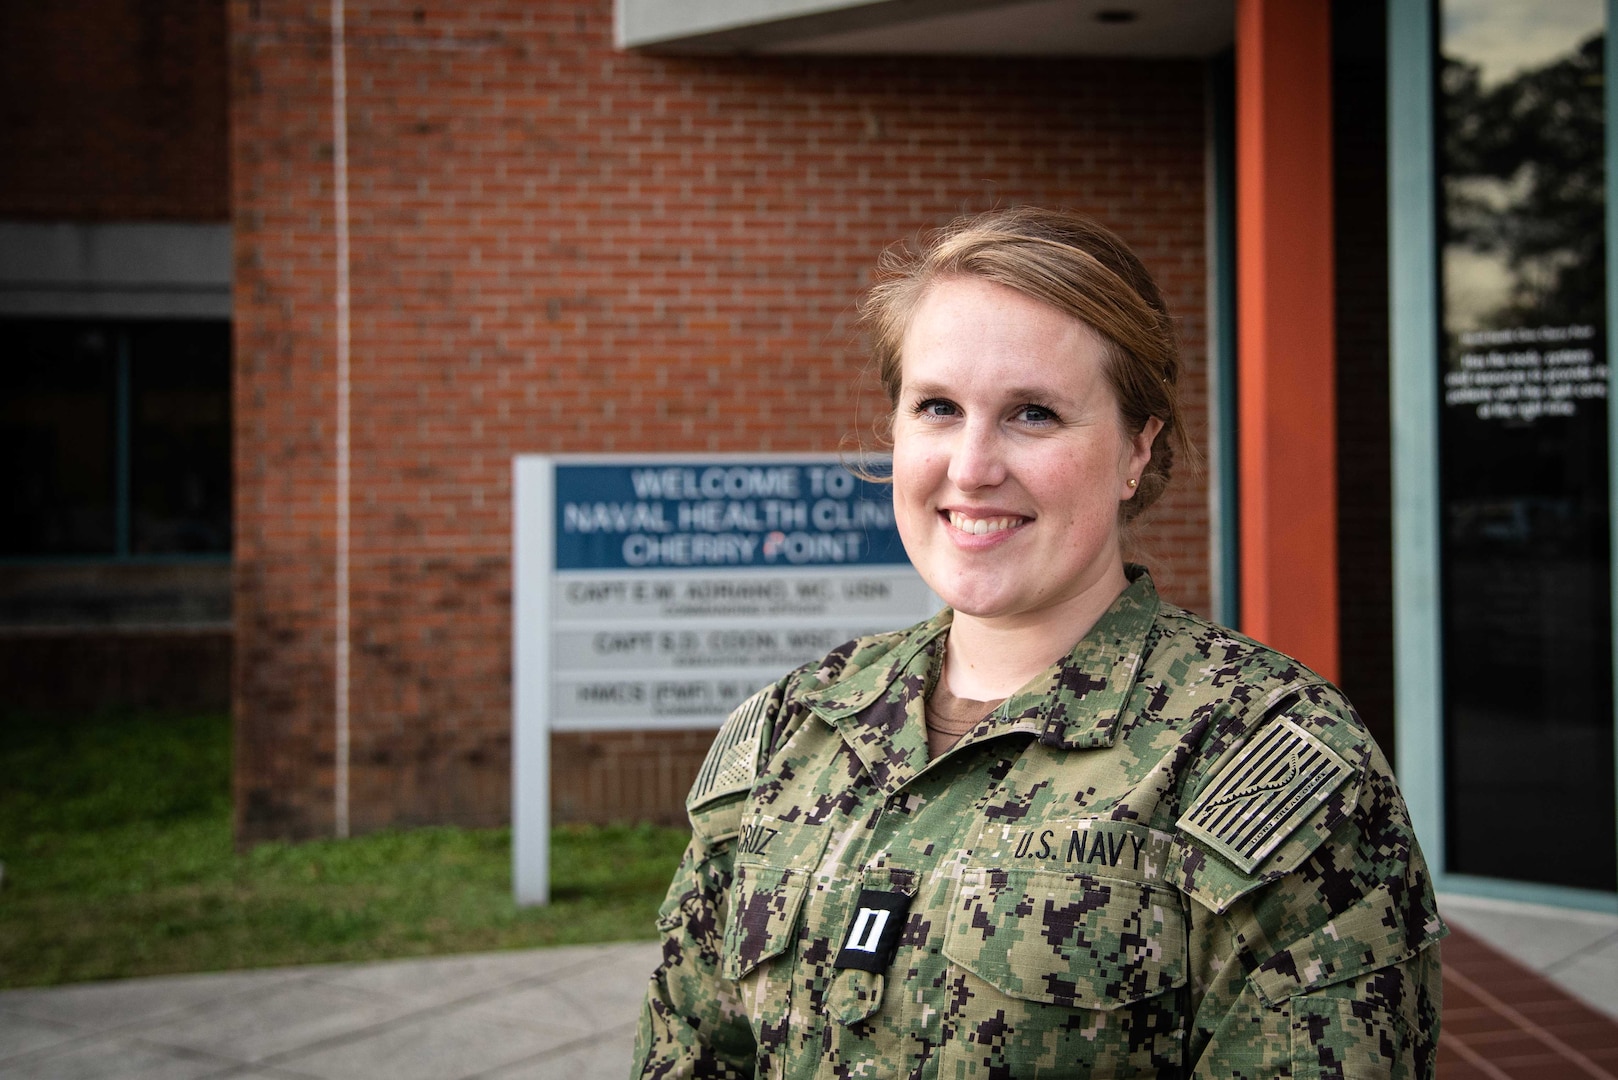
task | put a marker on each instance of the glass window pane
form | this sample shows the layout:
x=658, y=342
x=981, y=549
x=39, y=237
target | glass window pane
x=1523, y=443
x=180, y=438
x=58, y=394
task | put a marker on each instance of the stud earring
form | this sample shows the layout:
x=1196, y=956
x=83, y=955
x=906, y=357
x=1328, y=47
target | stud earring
x=1133, y=481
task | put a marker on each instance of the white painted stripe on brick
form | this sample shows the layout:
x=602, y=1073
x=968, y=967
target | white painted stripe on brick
x=339, y=108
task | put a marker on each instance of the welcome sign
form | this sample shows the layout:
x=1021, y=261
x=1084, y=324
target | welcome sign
x=678, y=587
x=658, y=592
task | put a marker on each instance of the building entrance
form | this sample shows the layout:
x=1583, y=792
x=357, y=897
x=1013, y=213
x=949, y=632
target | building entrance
x=1524, y=516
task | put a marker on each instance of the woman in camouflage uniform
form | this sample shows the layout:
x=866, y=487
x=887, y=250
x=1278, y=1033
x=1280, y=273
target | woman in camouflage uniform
x=1064, y=828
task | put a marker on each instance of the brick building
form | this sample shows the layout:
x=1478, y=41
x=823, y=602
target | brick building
x=446, y=234
x=558, y=246
x=115, y=355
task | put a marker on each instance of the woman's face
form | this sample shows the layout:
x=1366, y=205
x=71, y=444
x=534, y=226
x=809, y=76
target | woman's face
x=1009, y=457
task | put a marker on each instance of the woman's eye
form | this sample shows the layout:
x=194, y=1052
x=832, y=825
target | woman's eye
x=934, y=407
x=1036, y=414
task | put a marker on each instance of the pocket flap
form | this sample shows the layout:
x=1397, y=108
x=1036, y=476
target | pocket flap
x=1375, y=933
x=776, y=861
x=767, y=900
x=1067, y=939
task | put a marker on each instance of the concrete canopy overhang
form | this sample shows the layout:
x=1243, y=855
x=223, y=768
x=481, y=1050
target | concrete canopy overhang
x=1139, y=28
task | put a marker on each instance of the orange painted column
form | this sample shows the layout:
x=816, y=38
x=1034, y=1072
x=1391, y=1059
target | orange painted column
x=1285, y=327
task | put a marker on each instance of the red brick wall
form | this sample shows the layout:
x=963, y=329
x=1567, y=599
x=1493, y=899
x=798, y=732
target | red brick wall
x=114, y=110
x=87, y=668
x=559, y=247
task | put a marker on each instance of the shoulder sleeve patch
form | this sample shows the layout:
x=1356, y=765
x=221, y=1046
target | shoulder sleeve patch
x=732, y=761
x=1270, y=788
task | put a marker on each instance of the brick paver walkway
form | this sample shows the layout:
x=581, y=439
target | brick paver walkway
x=1504, y=1022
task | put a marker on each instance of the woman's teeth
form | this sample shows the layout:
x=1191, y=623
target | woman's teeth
x=980, y=526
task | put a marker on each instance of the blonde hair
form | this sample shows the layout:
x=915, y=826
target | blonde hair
x=1080, y=269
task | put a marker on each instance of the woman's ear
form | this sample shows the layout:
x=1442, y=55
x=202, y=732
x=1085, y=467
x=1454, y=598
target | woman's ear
x=1140, y=453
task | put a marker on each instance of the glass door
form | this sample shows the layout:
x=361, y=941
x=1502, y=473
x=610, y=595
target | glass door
x=1523, y=516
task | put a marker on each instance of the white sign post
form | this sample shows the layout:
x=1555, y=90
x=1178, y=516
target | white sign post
x=658, y=593
x=532, y=562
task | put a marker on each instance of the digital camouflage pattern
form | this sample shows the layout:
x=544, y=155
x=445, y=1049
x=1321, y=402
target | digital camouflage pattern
x=1175, y=853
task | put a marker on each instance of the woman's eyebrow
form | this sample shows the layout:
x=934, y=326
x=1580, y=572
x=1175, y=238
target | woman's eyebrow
x=1034, y=393
x=1017, y=393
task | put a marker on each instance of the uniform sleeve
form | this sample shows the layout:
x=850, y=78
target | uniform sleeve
x=1317, y=957
x=693, y=1023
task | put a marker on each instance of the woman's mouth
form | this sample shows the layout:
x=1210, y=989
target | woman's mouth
x=984, y=525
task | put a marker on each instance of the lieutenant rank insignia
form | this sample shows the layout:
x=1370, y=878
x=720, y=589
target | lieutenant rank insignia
x=1264, y=793
x=873, y=932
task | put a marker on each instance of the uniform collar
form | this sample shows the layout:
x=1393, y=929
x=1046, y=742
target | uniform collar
x=1072, y=705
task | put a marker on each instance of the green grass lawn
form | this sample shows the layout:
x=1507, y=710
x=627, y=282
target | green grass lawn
x=115, y=835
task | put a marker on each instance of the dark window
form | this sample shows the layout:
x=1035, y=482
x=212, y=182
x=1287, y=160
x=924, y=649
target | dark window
x=58, y=420
x=115, y=438
x=1523, y=447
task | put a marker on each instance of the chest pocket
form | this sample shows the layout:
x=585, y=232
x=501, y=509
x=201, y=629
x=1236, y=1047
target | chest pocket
x=776, y=863
x=1067, y=939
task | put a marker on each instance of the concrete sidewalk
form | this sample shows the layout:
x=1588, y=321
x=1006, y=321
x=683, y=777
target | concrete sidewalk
x=566, y=1012
x=571, y=1012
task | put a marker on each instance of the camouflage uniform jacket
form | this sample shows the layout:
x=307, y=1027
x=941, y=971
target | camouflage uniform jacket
x=1175, y=853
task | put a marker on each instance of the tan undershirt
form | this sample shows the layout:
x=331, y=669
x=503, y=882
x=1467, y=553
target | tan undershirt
x=950, y=717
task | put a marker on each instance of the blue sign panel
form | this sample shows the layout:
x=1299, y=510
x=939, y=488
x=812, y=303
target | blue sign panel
x=734, y=513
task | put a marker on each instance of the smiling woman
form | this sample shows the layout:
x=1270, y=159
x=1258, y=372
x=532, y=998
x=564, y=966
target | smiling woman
x=1062, y=828
x=1010, y=464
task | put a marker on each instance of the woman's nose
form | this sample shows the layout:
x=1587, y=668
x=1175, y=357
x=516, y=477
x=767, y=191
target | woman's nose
x=977, y=459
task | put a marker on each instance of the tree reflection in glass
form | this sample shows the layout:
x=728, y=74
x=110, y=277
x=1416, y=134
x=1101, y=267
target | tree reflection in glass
x=1523, y=444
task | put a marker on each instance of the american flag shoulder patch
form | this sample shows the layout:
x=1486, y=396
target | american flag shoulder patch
x=1264, y=793
x=732, y=761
